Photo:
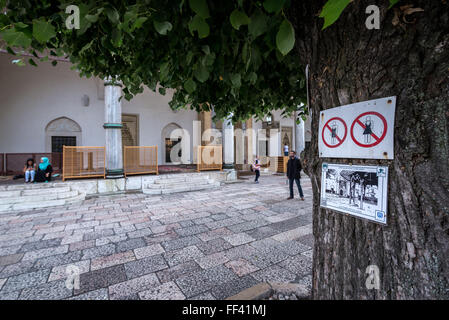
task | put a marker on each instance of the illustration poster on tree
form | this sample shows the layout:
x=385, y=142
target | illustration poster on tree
x=360, y=191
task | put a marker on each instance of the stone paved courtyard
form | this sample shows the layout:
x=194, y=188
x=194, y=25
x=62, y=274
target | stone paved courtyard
x=197, y=245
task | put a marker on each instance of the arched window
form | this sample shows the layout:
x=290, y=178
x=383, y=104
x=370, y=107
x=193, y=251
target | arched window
x=62, y=132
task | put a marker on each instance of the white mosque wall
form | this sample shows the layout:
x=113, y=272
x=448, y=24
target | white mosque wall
x=32, y=97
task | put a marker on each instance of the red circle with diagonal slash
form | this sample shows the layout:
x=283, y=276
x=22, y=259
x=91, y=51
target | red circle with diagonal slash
x=378, y=139
x=340, y=141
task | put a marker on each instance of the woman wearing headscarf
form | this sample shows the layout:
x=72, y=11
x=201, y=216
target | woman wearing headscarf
x=44, y=171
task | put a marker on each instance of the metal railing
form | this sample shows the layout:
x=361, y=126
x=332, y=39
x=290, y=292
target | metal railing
x=209, y=158
x=140, y=160
x=83, y=162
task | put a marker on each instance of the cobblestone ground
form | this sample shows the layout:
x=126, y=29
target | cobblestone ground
x=198, y=245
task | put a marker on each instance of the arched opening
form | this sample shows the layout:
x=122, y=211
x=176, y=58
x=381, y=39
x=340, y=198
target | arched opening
x=62, y=132
x=169, y=143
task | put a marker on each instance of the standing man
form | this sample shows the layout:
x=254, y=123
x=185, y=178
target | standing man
x=286, y=150
x=256, y=167
x=294, y=174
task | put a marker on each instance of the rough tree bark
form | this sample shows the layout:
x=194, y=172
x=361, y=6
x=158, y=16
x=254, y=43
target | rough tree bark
x=348, y=64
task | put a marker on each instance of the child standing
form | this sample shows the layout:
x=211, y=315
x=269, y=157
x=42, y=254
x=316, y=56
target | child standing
x=256, y=167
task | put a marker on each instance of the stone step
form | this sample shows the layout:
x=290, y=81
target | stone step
x=8, y=194
x=180, y=179
x=44, y=191
x=176, y=186
x=36, y=198
x=31, y=186
x=67, y=198
x=195, y=187
x=37, y=205
x=177, y=183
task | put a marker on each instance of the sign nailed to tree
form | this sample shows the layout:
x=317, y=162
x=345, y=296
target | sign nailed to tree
x=363, y=130
x=360, y=191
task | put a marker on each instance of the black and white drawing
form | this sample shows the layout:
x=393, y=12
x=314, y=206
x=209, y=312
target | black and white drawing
x=356, y=190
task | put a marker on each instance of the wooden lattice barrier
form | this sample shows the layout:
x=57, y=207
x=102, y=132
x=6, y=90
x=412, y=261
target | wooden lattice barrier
x=83, y=162
x=209, y=158
x=140, y=160
x=278, y=164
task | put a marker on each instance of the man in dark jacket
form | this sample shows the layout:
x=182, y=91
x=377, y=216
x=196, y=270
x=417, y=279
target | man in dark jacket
x=294, y=174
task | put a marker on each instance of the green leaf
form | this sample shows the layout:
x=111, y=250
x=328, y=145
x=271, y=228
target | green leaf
x=86, y=47
x=10, y=51
x=113, y=15
x=189, y=57
x=238, y=19
x=252, y=78
x=190, y=85
x=206, y=49
x=200, y=7
x=285, y=38
x=92, y=18
x=236, y=80
x=15, y=38
x=258, y=24
x=4, y=20
x=84, y=23
x=20, y=26
x=139, y=22
x=332, y=11
x=31, y=61
x=54, y=63
x=201, y=74
x=162, y=27
x=117, y=37
x=162, y=91
x=43, y=31
x=200, y=25
x=392, y=3
x=209, y=59
x=164, y=71
x=273, y=6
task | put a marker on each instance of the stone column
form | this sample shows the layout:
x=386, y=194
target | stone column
x=228, y=143
x=113, y=128
x=250, y=135
x=300, y=141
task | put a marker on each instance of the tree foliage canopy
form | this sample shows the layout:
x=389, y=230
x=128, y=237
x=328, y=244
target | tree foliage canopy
x=232, y=55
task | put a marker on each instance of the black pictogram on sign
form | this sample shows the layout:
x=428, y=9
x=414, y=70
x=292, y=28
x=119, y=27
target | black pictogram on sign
x=332, y=132
x=371, y=129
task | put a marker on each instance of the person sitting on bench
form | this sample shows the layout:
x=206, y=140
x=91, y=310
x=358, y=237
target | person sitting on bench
x=44, y=171
x=29, y=170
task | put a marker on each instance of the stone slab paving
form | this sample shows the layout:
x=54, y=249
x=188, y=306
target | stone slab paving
x=208, y=244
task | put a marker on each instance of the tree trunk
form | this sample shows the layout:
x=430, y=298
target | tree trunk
x=349, y=63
